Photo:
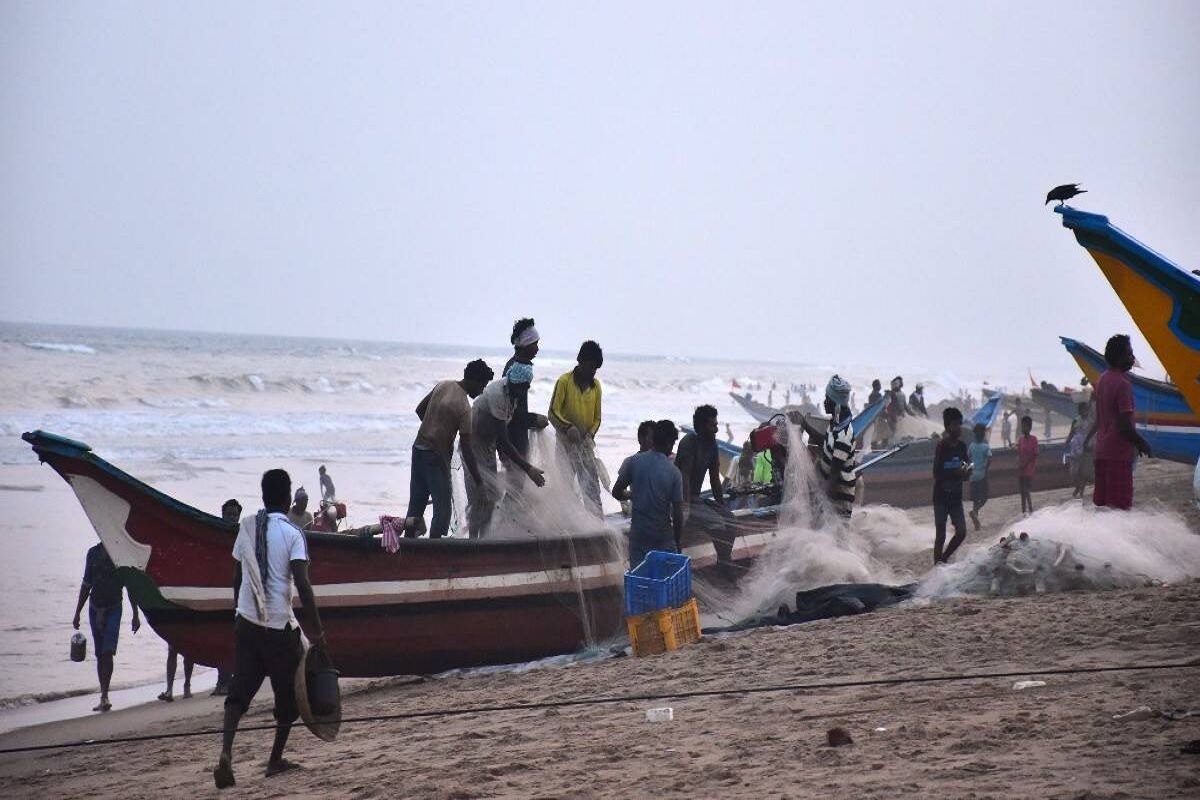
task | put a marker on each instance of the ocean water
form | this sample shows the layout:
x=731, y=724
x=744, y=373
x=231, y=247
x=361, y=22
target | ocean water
x=201, y=415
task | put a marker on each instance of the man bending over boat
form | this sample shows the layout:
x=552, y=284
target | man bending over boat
x=444, y=413
x=525, y=341
x=270, y=553
x=836, y=462
x=697, y=458
x=657, y=518
x=490, y=415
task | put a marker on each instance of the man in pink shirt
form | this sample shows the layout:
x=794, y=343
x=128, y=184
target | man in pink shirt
x=1118, y=443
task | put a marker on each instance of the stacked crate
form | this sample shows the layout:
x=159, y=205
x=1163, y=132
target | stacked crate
x=660, y=612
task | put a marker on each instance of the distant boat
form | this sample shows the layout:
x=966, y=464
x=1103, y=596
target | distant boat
x=761, y=412
x=1162, y=297
x=1056, y=400
x=1162, y=416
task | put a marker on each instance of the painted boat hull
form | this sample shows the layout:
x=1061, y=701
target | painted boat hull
x=906, y=479
x=435, y=605
x=1162, y=414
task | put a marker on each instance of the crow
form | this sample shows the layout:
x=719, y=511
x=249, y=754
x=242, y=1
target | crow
x=1064, y=193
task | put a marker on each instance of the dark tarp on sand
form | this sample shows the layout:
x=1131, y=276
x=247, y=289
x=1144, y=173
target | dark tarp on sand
x=838, y=600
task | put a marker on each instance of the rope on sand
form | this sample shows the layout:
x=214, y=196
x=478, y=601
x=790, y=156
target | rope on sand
x=635, y=698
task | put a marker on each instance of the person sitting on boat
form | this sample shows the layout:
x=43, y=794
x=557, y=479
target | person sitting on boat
x=101, y=590
x=526, y=341
x=657, y=496
x=271, y=556
x=575, y=414
x=299, y=514
x=696, y=458
x=916, y=401
x=328, y=493
x=445, y=413
x=490, y=415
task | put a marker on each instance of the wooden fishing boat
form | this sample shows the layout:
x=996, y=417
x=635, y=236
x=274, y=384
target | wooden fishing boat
x=1162, y=297
x=434, y=605
x=1161, y=414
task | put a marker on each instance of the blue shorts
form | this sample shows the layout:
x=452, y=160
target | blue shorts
x=106, y=627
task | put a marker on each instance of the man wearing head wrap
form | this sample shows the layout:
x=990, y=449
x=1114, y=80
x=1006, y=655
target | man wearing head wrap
x=445, y=413
x=490, y=415
x=837, y=463
x=299, y=514
x=525, y=340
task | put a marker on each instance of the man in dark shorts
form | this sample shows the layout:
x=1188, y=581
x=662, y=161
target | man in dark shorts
x=102, y=584
x=270, y=553
x=696, y=459
x=951, y=466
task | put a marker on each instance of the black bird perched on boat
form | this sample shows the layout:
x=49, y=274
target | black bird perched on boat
x=1063, y=193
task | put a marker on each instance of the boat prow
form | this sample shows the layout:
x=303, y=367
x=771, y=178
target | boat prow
x=1162, y=297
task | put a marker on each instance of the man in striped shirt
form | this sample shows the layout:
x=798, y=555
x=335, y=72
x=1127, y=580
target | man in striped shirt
x=837, y=462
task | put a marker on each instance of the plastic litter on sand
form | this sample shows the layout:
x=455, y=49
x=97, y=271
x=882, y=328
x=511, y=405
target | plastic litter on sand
x=660, y=714
x=1019, y=685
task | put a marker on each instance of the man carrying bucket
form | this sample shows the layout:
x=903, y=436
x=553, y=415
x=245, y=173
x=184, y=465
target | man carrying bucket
x=102, y=585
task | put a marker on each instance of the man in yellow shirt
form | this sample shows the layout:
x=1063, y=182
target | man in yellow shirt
x=575, y=415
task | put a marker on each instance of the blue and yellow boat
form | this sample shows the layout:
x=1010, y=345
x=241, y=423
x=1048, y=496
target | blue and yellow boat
x=1162, y=415
x=1162, y=298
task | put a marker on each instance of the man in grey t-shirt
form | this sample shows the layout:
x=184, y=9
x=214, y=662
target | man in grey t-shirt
x=657, y=489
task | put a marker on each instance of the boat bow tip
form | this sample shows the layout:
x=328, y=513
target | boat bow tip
x=40, y=439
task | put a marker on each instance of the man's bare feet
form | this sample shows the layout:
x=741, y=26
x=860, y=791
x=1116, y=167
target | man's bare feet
x=104, y=705
x=223, y=773
x=167, y=697
x=187, y=691
x=974, y=519
x=282, y=765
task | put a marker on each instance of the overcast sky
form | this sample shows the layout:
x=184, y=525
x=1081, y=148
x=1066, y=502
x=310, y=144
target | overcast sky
x=796, y=181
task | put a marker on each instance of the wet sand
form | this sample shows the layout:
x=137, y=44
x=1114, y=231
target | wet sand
x=955, y=739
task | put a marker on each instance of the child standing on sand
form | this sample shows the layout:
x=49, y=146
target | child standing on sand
x=1027, y=454
x=950, y=469
x=980, y=454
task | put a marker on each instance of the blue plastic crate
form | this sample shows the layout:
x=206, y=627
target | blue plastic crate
x=663, y=580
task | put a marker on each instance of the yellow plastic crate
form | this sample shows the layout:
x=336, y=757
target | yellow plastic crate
x=664, y=630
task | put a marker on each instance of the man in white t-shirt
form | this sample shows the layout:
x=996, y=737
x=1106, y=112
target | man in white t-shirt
x=270, y=553
x=490, y=416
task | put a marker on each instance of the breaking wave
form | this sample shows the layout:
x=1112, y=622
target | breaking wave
x=58, y=347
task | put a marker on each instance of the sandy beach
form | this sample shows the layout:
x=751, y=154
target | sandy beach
x=977, y=738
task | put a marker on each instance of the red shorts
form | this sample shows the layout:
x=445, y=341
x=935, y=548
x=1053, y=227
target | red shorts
x=1114, y=484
